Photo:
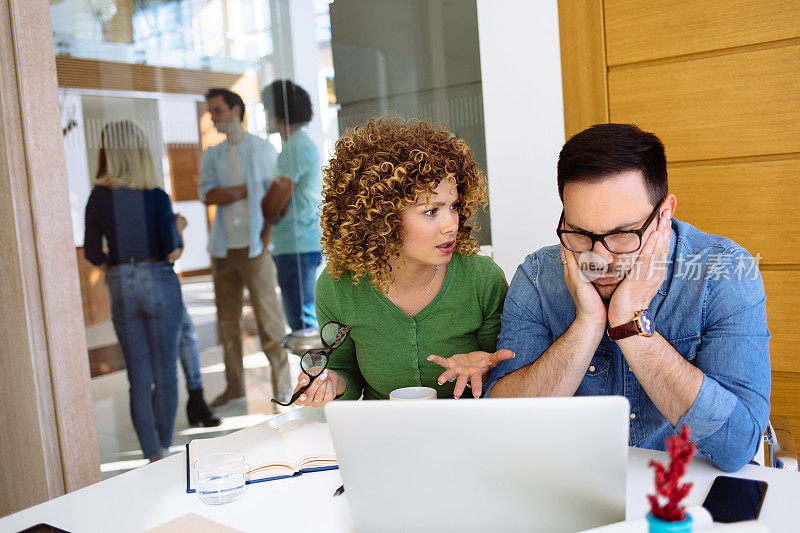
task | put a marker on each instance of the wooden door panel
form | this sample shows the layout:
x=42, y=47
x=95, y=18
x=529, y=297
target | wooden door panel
x=783, y=302
x=583, y=65
x=94, y=292
x=184, y=169
x=746, y=202
x=737, y=105
x=785, y=395
x=641, y=31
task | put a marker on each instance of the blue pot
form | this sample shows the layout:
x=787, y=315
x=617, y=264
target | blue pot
x=657, y=525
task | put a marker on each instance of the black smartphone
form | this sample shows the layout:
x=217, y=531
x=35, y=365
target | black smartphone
x=43, y=528
x=735, y=499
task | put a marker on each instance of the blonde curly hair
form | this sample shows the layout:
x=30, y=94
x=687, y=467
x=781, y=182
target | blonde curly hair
x=378, y=169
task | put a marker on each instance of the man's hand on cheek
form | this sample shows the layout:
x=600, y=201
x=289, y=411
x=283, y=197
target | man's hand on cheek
x=589, y=306
x=643, y=279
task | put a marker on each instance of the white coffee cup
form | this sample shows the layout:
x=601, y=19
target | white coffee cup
x=413, y=393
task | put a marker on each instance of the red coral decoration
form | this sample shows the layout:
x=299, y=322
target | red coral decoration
x=681, y=451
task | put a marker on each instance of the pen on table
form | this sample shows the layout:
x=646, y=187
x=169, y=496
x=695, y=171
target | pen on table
x=339, y=491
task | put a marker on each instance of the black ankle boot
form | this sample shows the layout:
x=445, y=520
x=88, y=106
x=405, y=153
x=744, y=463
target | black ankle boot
x=198, y=412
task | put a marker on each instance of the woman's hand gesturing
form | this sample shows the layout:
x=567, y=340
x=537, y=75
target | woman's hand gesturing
x=469, y=368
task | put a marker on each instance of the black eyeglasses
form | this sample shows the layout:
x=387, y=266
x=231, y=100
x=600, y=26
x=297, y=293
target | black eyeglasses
x=315, y=360
x=616, y=242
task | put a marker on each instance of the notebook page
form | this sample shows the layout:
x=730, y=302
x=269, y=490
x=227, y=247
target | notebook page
x=260, y=445
x=310, y=440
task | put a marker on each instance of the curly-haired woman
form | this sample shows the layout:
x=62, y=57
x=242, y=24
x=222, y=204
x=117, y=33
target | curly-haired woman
x=397, y=223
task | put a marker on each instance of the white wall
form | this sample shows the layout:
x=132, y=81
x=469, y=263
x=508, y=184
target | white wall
x=195, y=237
x=179, y=126
x=524, y=123
x=77, y=165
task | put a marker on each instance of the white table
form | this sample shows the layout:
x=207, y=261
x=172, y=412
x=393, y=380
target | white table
x=154, y=494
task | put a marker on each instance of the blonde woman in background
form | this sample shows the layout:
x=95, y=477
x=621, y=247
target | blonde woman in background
x=134, y=215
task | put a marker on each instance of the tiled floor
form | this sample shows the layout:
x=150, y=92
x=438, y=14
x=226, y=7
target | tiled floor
x=119, y=447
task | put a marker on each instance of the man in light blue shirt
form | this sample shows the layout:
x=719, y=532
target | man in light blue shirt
x=638, y=304
x=291, y=204
x=236, y=175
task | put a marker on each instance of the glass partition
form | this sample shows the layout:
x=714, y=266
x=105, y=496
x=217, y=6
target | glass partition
x=412, y=59
x=152, y=62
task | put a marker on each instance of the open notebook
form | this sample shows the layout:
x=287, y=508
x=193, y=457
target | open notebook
x=298, y=447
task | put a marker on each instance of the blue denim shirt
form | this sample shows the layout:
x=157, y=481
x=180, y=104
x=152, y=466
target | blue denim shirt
x=260, y=158
x=711, y=308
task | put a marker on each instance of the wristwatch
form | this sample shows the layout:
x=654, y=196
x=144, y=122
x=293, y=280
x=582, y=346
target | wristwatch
x=642, y=324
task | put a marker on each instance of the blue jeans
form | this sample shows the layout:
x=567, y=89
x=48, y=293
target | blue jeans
x=147, y=310
x=297, y=277
x=189, y=353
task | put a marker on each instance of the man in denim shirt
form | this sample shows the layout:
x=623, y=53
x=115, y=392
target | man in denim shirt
x=686, y=310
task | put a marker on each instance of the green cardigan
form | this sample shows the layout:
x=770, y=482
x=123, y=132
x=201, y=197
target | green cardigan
x=387, y=349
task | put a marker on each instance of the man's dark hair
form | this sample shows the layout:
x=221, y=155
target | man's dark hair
x=599, y=152
x=230, y=97
x=287, y=101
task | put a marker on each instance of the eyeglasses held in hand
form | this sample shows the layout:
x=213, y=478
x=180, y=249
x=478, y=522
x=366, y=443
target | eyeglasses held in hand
x=315, y=361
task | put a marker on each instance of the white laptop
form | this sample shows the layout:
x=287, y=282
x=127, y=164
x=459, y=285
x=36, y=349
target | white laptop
x=497, y=465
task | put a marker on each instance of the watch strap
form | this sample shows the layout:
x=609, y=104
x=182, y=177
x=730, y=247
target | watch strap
x=628, y=329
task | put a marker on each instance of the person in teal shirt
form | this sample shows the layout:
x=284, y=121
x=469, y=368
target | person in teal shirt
x=403, y=271
x=290, y=206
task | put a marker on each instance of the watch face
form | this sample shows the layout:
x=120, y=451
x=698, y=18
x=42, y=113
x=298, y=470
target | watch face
x=646, y=322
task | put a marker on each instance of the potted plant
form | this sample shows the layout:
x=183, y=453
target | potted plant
x=671, y=517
